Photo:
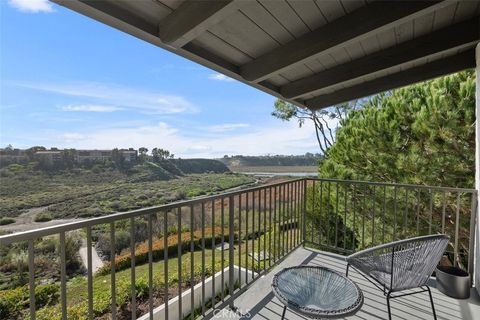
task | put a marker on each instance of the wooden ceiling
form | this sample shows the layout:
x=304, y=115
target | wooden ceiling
x=314, y=53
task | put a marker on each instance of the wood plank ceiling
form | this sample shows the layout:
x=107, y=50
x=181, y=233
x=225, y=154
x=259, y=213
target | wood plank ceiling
x=313, y=53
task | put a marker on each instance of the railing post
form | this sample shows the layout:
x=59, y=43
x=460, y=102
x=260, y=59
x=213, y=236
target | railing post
x=304, y=212
x=231, y=257
x=471, y=242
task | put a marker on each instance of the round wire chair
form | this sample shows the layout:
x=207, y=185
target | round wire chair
x=317, y=292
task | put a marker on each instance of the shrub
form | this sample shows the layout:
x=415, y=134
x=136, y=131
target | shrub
x=4, y=221
x=123, y=261
x=13, y=301
x=43, y=217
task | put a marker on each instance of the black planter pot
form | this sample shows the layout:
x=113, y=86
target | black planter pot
x=453, y=282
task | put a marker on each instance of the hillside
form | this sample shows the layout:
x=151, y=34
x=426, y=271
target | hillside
x=103, y=189
x=277, y=160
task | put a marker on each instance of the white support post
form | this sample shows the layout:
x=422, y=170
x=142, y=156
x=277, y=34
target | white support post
x=477, y=170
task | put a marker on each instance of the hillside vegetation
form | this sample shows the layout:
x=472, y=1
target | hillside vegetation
x=309, y=159
x=103, y=189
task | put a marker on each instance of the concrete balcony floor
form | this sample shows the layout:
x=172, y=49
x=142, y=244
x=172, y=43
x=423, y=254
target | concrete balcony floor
x=260, y=302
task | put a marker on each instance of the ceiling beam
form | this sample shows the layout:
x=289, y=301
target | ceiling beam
x=424, y=72
x=360, y=24
x=192, y=18
x=458, y=35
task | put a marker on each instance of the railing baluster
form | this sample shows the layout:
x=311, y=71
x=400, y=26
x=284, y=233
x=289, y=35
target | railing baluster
x=112, y=271
x=418, y=212
x=405, y=216
x=354, y=208
x=89, y=273
x=247, y=236
x=264, y=228
x=336, y=215
x=443, y=210
x=471, y=235
x=192, y=256
x=63, y=276
x=363, y=211
x=283, y=220
x=457, y=226
x=231, y=257
x=203, y=259
x=254, y=234
x=240, y=198
x=179, y=260
x=270, y=227
x=214, y=291
x=275, y=220
x=165, y=260
x=297, y=213
x=31, y=278
x=431, y=212
x=150, y=267
x=304, y=211
x=384, y=212
x=320, y=209
x=292, y=215
x=132, y=268
x=345, y=218
x=394, y=213
x=312, y=215
x=222, y=239
x=286, y=223
x=374, y=200
x=259, y=229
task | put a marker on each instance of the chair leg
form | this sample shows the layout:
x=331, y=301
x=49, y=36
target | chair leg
x=388, y=306
x=283, y=313
x=346, y=272
x=431, y=301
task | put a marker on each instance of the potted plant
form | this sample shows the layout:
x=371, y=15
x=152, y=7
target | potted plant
x=454, y=282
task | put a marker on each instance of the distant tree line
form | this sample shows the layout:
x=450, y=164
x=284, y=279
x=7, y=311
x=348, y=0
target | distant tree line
x=308, y=159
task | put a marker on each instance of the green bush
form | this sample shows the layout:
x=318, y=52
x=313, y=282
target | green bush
x=4, y=221
x=13, y=301
x=43, y=217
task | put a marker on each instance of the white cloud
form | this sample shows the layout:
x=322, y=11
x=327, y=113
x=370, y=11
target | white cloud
x=144, y=101
x=220, y=77
x=89, y=108
x=225, y=127
x=31, y=6
x=282, y=138
x=73, y=137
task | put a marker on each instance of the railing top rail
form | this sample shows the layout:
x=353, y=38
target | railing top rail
x=402, y=185
x=42, y=232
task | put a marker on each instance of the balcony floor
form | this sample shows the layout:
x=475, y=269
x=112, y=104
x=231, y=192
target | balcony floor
x=262, y=304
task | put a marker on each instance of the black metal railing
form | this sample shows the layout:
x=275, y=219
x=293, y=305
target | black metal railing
x=346, y=216
x=188, y=258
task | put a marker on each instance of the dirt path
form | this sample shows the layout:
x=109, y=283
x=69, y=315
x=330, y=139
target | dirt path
x=25, y=221
x=97, y=263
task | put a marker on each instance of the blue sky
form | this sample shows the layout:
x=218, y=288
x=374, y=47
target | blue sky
x=69, y=81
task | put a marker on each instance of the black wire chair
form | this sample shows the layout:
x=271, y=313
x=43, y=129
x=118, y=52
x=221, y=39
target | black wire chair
x=400, y=265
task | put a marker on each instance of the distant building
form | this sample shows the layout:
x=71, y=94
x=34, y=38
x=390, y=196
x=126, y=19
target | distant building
x=13, y=155
x=49, y=156
x=129, y=155
x=92, y=155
